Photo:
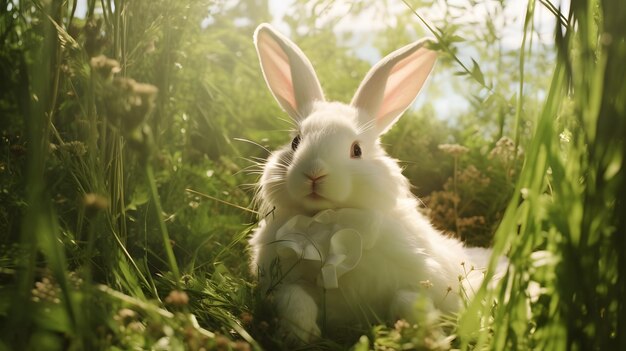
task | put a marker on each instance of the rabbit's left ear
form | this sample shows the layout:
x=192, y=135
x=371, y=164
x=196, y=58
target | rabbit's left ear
x=288, y=73
x=392, y=85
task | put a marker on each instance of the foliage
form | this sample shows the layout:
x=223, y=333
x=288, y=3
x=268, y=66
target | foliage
x=472, y=201
x=91, y=174
x=564, y=227
x=127, y=133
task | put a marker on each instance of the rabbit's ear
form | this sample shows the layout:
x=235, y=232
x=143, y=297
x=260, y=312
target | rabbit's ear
x=392, y=85
x=287, y=71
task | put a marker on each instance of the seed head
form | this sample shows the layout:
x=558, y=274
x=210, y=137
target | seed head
x=453, y=149
x=177, y=298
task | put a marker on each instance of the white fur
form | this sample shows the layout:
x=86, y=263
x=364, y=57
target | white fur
x=409, y=259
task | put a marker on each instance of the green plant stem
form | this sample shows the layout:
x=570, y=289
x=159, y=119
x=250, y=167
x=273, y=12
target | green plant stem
x=528, y=20
x=39, y=224
x=456, y=193
x=447, y=49
x=163, y=228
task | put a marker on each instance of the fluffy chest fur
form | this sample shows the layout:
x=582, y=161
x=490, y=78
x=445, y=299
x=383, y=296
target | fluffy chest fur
x=404, y=255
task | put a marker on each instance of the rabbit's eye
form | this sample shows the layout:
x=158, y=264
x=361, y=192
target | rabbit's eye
x=355, y=150
x=295, y=142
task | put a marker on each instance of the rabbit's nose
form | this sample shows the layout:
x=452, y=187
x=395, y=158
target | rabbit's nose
x=316, y=170
x=315, y=177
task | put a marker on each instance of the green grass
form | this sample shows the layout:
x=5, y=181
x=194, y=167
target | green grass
x=123, y=218
x=564, y=226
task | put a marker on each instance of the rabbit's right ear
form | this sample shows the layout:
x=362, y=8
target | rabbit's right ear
x=288, y=73
x=392, y=85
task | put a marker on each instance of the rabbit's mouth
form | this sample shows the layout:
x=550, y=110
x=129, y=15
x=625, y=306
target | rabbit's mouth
x=315, y=191
x=315, y=202
x=315, y=196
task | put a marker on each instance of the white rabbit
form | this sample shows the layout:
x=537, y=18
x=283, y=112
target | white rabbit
x=342, y=243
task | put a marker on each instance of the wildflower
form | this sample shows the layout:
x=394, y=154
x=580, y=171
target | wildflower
x=129, y=103
x=222, y=343
x=453, y=149
x=125, y=316
x=46, y=290
x=401, y=324
x=127, y=313
x=241, y=346
x=246, y=318
x=472, y=176
x=95, y=202
x=524, y=192
x=76, y=148
x=136, y=327
x=565, y=136
x=104, y=66
x=504, y=151
x=68, y=71
x=75, y=279
x=177, y=298
x=471, y=222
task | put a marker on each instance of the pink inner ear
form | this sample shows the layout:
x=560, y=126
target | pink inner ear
x=276, y=69
x=404, y=82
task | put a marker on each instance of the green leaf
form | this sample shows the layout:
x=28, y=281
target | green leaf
x=362, y=345
x=455, y=39
x=477, y=73
x=52, y=317
x=140, y=196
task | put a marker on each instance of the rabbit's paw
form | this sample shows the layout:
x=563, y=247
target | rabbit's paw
x=298, y=312
x=298, y=332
